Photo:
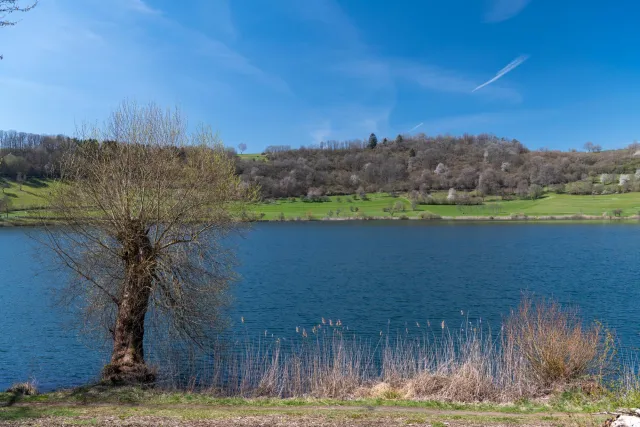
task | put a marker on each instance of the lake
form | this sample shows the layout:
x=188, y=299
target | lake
x=373, y=276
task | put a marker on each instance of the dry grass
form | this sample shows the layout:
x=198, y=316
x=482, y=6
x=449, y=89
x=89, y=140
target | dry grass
x=555, y=344
x=542, y=346
x=28, y=388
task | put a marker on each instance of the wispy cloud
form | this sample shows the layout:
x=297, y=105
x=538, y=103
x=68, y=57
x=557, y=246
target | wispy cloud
x=415, y=127
x=487, y=121
x=322, y=133
x=233, y=60
x=512, y=65
x=501, y=10
x=142, y=7
x=448, y=81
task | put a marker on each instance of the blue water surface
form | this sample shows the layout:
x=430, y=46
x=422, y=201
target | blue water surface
x=372, y=276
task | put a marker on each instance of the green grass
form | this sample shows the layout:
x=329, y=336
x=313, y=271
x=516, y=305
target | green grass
x=87, y=405
x=566, y=402
x=33, y=194
x=256, y=157
x=550, y=205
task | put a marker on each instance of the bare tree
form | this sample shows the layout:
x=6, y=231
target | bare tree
x=144, y=210
x=20, y=179
x=242, y=147
x=5, y=204
x=588, y=146
x=7, y=7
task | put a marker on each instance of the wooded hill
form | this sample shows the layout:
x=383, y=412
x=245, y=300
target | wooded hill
x=423, y=164
x=483, y=163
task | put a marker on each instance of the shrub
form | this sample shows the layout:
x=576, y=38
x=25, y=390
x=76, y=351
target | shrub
x=617, y=212
x=26, y=389
x=535, y=191
x=429, y=215
x=554, y=343
x=281, y=216
x=404, y=217
x=580, y=187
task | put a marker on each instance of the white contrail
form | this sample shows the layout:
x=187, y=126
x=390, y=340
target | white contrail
x=512, y=65
x=415, y=127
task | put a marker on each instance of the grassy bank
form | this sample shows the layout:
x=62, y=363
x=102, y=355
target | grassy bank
x=97, y=405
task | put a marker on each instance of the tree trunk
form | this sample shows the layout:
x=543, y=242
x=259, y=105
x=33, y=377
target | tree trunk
x=127, y=359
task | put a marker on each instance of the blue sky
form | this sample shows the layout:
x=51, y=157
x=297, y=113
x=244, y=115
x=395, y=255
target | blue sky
x=296, y=72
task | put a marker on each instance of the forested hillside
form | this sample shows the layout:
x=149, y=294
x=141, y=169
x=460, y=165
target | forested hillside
x=422, y=163
x=419, y=164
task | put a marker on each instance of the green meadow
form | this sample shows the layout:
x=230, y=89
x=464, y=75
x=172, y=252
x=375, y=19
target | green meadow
x=550, y=205
x=32, y=196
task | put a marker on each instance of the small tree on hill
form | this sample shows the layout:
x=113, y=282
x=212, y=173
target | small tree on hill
x=242, y=147
x=20, y=179
x=361, y=193
x=5, y=204
x=592, y=148
x=535, y=191
x=373, y=141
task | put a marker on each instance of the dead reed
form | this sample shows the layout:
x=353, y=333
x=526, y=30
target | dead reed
x=540, y=346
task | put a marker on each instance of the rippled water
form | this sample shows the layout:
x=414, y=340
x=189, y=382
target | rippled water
x=371, y=275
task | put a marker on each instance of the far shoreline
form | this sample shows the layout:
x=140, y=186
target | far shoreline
x=576, y=218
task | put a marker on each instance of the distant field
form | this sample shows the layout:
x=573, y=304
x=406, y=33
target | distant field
x=33, y=196
x=256, y=157
x=550, y=204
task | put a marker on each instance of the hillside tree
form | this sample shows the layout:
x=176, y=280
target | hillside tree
x=373, y=141
x=143, y=216
x=242, y=147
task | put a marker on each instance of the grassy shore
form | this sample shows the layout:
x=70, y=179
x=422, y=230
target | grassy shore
x=30, y=197
x=135, y=406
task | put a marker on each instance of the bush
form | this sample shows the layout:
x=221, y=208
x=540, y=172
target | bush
x=554, y=343
x=617, y=212
x=580, y=187
x=25, y=389
x=535, y=191
x=281, y=216
x=429, y=215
